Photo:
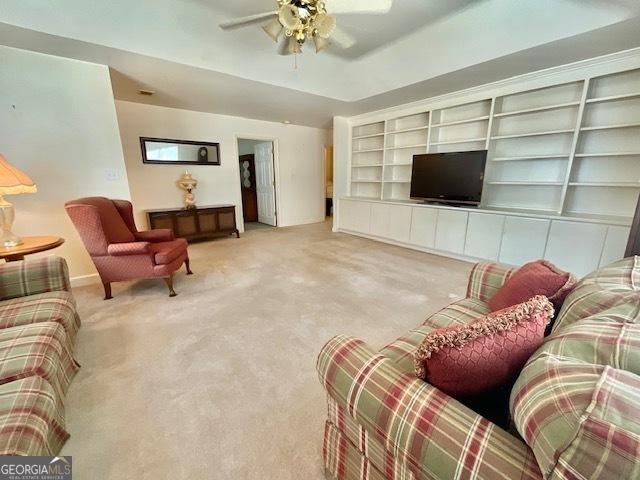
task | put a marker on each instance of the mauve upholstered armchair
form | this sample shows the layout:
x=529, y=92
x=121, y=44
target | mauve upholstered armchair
x=119, y=251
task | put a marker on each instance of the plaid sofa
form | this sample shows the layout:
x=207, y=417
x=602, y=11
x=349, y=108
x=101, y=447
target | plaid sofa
x=38, y=327
x=576, y=404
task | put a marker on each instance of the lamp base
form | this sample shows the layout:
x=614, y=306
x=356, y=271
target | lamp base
x=7, y=215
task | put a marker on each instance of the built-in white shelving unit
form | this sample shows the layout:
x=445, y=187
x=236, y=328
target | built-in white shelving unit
x=571, y=149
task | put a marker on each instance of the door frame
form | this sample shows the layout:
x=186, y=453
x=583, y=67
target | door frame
x=276, y=170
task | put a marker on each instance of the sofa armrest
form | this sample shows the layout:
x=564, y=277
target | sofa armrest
x=433, y=434
x=46, y=274
x=486, y=278
x=130, y=248
x=157, y=235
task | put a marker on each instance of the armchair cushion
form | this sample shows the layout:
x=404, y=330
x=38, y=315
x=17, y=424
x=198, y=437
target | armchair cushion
x=115, y=228
x=166, y=252
x=154, y=236
x=130, y=248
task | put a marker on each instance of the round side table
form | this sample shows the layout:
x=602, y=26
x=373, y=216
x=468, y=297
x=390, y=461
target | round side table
x=28, y=246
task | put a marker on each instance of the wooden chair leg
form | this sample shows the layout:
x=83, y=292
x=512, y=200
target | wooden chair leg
x=186, y=264
x=169, y=281
x=107, y=291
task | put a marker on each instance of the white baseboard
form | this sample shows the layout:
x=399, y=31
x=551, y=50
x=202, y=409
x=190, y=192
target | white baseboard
x=83, y=280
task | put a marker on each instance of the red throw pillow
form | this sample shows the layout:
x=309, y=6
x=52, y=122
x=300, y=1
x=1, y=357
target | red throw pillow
x=535, y=278
x=470, y=359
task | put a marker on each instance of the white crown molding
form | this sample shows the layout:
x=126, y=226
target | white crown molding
x=580, y=70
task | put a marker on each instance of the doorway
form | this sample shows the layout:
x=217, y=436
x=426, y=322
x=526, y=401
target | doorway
x=257, y=182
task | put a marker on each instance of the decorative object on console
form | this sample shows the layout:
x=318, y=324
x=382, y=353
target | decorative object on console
x=188, y=184
x=475, y=358
x=118, y=250
x=12, y=182
x=534, y=278
x=197, y=223
x=163, y=151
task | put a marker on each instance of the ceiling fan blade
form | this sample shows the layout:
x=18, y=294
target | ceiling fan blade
x=359, y=6
x=242, y=21
x=342, y=38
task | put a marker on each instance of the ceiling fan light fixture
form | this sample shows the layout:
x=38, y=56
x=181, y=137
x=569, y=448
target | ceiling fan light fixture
x=294, y=46
x=288, y=16
x=325, y=25
x=273, y=29
x=320, y=42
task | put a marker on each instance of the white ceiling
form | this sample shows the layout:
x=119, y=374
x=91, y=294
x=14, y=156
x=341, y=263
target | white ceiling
x=420, y=49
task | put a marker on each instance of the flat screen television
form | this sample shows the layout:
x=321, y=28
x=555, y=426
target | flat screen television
x=454, y=178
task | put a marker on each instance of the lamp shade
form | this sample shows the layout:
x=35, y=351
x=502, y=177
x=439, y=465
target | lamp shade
x=13, y=181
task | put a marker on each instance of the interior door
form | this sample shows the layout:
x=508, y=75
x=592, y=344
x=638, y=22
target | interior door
x=265, y=183
x=248, y=188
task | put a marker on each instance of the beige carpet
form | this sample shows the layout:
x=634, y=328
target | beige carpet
x=219, y=382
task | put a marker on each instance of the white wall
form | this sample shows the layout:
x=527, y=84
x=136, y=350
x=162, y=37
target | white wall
x=58, y=123
x=299, y=161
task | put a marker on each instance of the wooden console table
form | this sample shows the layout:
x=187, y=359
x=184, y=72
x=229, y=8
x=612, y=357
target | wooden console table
x=199, y=223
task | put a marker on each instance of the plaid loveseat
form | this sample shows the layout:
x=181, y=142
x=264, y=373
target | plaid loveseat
x=576, y=404
x=38, y=326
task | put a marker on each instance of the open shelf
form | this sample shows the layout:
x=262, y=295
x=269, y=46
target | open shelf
x=366, y=181
x=610, y=127
x=612, y=98
x=533, y=134
x=538, y=109
x=452, y=142
x=397, y=181
x=368, y=136
x=400, y=147
x=529, y=157
x=605, y=184
x=405, y=164
x=368, y=165
x=405, y=130
x=524, y=184
x=368, y=150
x=610, y=154
x=461, y=122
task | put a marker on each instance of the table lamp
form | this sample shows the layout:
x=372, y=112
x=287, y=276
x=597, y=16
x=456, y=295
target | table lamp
x=12, y=181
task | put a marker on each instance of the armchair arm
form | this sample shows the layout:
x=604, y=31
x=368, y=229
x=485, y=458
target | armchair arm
x=46, y=274
x=157, y=235
x=131, y=248
x=486, y=279
x=433, y=434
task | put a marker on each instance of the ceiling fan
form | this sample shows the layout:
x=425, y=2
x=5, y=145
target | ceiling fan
x=302, y=20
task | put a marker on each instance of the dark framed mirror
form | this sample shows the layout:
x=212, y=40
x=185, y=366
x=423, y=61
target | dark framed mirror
x=164, y=151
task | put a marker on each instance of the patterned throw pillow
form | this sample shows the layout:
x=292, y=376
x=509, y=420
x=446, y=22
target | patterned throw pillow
x=469, y=359
x=534, y=278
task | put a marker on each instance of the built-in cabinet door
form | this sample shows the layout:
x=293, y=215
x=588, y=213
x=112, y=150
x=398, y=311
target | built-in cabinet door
x=614, y=245
x=423, y=226
x=523, y=240
x=391, y=221
x=354, y=215
x=399, y=223
x=484, y=236
x=451, y=231
x=576, y=247
x=379, y=220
